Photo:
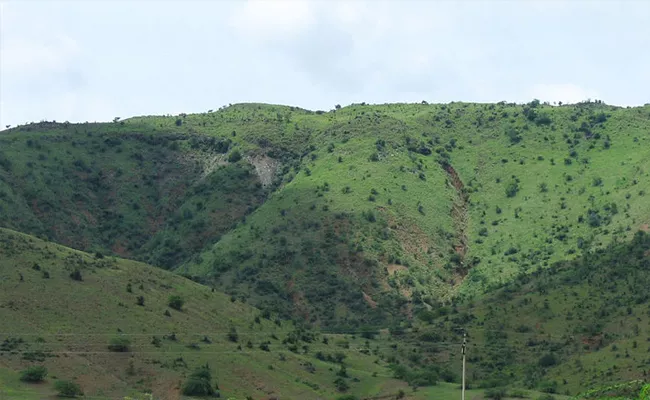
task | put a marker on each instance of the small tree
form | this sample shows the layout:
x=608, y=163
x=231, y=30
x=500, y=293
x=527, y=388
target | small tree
x=119, y=344
x=141, y=300
x=232, y=335
x=234, y=156
x=76, y=275
x=176, y=302
x=512, y=189
x=35, y=373
x=68, y=389
x=199, y=383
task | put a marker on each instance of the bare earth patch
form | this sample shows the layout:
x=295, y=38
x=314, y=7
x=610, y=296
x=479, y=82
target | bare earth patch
x=265, y=168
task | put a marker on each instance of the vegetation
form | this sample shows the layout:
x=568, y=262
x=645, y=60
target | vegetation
x=34, y=373
x=344, y=251
x=68, y=389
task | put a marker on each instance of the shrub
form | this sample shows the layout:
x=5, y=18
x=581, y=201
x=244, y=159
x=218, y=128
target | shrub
x=512, y=189
x=232, y=335
x=68, y=389
x=546, y=397
x=547, y=360
x=234, y=156
x=119, y=344
x=341, y=385
x=495, y=393
x=175, y=302
x=347, y=397
x=35, y=373
x=543, y=187
x=140, y=300
x=76, y=275
x=199, y=383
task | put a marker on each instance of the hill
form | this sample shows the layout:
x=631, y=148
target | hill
x=576, y=325
x=360, y=215
x=68, y=322
x=406, y=223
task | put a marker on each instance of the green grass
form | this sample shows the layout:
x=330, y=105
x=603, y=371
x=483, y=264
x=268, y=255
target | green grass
x=67, y=326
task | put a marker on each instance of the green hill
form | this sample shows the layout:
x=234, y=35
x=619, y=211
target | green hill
x=368, y=216
x=68, y=326
x=357, y=215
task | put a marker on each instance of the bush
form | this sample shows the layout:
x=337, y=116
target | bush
x=35, y=373
x=175, y=302
x=547, y=360
x=199, y=383
x=68, y=389
x=495, y=393
x=546, y=397
x=341, y=385
x=119, y=344
x=518, y=394
x=76, y=275
x=232, y=335
x=512, y=189
x=234, y=156
x=347, y=397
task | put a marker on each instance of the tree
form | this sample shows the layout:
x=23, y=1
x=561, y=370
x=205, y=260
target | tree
x=76, y=275
x=234, y=156
x=141, y=300
x=199, y=383
x=547, y=360
x=35, y=373
x=179, y=122
x=512, y=189
x=175, y=302
x=232, y=335
x=119, y=344
x=341, y=385
x=68, y=389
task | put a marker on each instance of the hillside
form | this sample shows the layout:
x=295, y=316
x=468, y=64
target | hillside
x=67, y=326
x=576, y=325
x=360, y=215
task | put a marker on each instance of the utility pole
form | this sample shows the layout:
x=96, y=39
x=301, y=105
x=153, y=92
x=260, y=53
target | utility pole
x=464, y=347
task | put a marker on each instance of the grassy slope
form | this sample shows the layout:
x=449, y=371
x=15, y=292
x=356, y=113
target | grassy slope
x=609, y=164
x=68, y=325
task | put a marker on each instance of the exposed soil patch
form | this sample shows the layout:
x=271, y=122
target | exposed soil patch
x=459, y=216
x=265, y=167
x=369, y=300
x=392, y=268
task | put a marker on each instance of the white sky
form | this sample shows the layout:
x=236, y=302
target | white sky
x=95, y=60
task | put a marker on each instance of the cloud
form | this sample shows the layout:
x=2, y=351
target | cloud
x=564, y=92
x=268, y=20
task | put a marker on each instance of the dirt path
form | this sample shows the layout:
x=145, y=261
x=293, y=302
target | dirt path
x=460, y=217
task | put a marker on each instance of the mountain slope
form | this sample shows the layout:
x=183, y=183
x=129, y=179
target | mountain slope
x=361, y=215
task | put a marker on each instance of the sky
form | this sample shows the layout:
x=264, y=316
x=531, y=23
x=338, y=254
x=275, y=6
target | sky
x=97, y=60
